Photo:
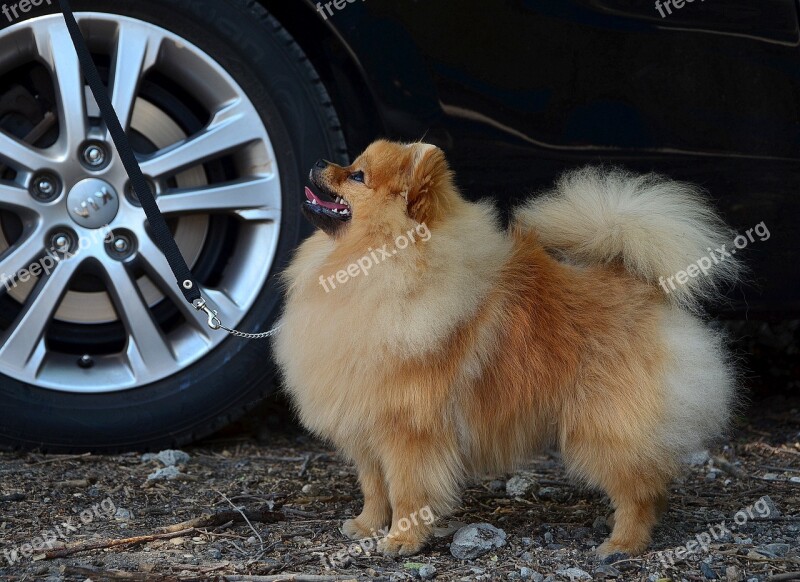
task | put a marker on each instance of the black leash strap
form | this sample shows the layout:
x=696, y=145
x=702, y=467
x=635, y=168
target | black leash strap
x=161, y=234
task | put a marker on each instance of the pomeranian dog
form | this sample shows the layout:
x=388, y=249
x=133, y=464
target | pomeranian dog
x=429, y=344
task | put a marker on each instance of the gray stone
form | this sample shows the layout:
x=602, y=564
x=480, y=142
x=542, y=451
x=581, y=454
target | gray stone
x=519, y=486
x=123, y=514
x=698, y=458
x=427, y=572
x=708, y=572
x=600, y=525
x=774, y=550
x=475, y=540
x=497, y=486
x=574, y=574
x=164, y=474
x=772, y=509
x=171, y=457
x=608, y=571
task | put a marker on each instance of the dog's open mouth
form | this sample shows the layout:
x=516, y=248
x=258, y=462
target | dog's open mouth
x=337, y=208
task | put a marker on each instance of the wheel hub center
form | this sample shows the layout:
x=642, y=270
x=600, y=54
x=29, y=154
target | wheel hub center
x=93, y=203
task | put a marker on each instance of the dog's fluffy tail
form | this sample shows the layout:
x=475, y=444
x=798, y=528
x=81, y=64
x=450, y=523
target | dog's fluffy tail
x=655, y=227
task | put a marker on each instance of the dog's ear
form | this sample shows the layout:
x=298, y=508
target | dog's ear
x=429, y=183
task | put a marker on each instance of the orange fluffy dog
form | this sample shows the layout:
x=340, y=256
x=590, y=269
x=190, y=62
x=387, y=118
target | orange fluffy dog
x=466, y=351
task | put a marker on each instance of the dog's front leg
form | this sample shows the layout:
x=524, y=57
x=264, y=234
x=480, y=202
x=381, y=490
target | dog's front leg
x=424, y=473
x=377, y=512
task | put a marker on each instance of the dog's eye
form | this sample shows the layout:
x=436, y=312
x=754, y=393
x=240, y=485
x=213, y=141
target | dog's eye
x=357, y=177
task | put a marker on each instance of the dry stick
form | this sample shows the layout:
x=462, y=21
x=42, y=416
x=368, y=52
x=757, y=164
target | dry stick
x=258, y=535
x=288, y=578
x=173, y=531
x=92, y=574
x=784, y=577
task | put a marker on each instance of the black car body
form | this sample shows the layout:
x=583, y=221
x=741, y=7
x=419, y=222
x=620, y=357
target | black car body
x=517, y=91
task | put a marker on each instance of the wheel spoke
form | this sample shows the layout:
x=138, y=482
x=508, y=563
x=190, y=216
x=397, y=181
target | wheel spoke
x=24, y=340
x=20, y=257
x=55, y=47
x=158, y=269
x=15, y=199
x=230, y=197
x=220, y=301
x=136, y=51
x=231, y=128
x=20, y=155
x=148, y=351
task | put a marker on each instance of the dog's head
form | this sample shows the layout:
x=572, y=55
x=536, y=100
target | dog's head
x=387, y=182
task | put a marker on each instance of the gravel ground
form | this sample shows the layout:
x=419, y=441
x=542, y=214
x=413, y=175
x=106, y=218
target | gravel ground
x=295, y=493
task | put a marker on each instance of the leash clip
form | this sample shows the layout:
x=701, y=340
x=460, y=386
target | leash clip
x=213, y=321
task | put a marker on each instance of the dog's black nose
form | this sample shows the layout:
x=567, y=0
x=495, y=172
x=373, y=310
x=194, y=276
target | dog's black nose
x=321, y=164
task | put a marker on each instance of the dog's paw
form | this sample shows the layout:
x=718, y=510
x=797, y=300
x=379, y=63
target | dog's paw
x=400, y=545
x=611, y=552
x=356, y=530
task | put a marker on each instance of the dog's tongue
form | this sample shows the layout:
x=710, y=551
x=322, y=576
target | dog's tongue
x=314, y=199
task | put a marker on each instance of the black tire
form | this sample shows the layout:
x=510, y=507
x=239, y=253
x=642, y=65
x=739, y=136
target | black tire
x=278, y=78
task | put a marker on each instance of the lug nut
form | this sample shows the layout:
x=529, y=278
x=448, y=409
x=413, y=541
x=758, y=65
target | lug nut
x=45, y=187
x=121, y=246
x=94, y=156
x=60, y=242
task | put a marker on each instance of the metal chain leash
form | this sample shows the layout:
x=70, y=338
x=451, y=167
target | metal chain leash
x=215, y=323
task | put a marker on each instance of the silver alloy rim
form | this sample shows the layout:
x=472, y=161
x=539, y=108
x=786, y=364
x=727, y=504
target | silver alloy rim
x=141, y=279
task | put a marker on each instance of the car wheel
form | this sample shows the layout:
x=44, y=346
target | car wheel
x=98, y=349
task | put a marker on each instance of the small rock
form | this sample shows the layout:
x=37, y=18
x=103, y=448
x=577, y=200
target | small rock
x=772, y=509
x=710, y=476
x=600, y=525
x=616, y=557
x=551, y=494
x=427, y=572
x=574, y=574
x=147, y=457
x=519, y=486
x=794, y=479
x=164, y=474
x=123, y=514
x=608, y=571
x=497, y=486
x=771, y=477
x=214, y=554
x=311, y=489
x=526, y=541
x=525, y=572
x=475, y=540
x=708, y=572
x=548, y=537
x=536, y=577
x=732, y=574
x=698, y=458
x=171, y=457
x=177, y=541
x=774, y=550
x=743, y=541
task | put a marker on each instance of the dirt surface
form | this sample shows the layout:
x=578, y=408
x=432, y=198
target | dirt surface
x=295, y=493
x=264, y=501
